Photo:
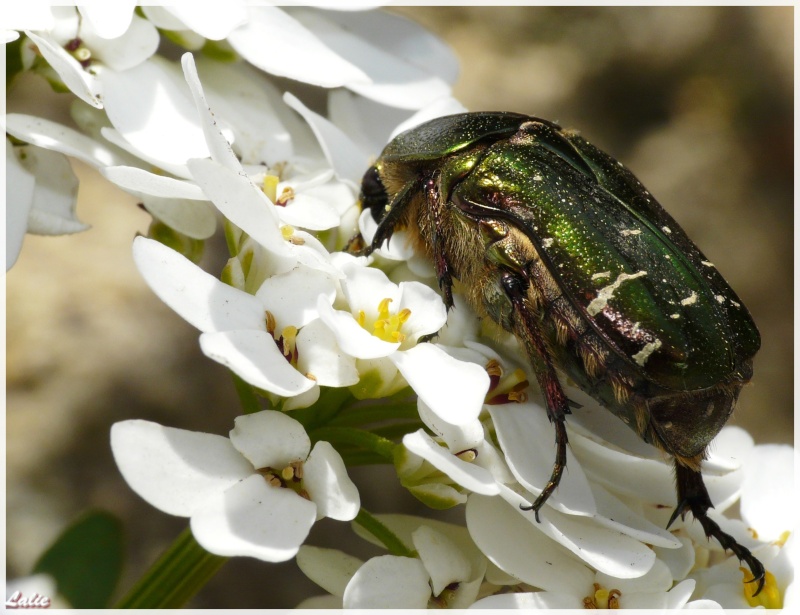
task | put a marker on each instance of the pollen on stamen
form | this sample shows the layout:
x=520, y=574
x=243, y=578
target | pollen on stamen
x=271, y=323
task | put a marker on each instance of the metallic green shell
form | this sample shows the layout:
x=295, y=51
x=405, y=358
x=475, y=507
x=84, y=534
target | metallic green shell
x=618, y=257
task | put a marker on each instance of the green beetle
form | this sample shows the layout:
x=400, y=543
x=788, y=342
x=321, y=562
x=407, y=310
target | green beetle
x=561, y=245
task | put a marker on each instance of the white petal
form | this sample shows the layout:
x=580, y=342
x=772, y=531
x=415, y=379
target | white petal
x=55, y=194
x=27, y=16
x=241, y=202
x=270, y=439
x=365, y=287
x=200, y=298
x=108, y=20
x=657, y=579
x=453, y=389
x=457, y=437
x=350, y=336
x=278, y=44
x=136, y=155
x=150, y=106
x=679, y=561
x=428, y=312
x=82, y=83
x=291, y=297
x=347, y=160
x=140, y=181
x=266, y=130
x=19, y=200
x=531, y=600
x=646, y=480
x=767, y=497
x=512, y=544
x=54, y=136
x=253, y=356
x=218, y=145
x=388, y=581
x=326, y=481
x=255, y=520
x=605, y=550
x=442, y=558
x=527, y=438
x=367, y=123
x=613, y=514
x=391, y=80
x=129, y=49
x=403, y=38
x=331, y=569
x=319, y=356
x=469, y=476
x=195, y=219
x=175, y=470
x=208, y=20
x=309, y=212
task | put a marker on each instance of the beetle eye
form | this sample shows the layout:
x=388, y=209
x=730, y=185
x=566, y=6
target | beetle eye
x=373, y=195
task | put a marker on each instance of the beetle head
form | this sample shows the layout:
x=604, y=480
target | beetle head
x=373, y=194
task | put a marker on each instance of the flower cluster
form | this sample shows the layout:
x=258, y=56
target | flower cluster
x=332, y=344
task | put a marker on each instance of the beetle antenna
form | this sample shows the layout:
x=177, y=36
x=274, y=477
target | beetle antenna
x=693, y=497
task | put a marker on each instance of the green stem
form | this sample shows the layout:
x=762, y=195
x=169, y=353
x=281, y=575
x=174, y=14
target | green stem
x=362, y=415
x=247, y=396
x=175, y=577
x=383, y=533
x=358, y=437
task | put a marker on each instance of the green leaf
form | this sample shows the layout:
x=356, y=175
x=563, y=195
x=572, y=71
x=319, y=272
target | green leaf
x=86, y=560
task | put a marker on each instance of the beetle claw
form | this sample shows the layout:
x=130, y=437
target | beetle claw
x=693, y=497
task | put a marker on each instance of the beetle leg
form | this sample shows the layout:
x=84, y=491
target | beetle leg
x=436, y=207
x=555, y=399
x=395, y=213
x=693, y=497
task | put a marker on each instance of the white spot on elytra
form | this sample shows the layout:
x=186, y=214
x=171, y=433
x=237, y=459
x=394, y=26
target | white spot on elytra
x=707, y=263
x=602, y=274
x=547, y=242
x=690, y=300
x=736, y=303
x=667, y=230
x=719, y=298
x=537, y=178
x=607, y=292
x=627, y=232
x=644, y=354
x=675, y=315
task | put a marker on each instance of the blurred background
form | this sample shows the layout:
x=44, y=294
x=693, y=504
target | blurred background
x=697, y=101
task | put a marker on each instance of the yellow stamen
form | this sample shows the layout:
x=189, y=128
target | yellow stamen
x=602, y=598
x=270, y=187
x=287, y=232
x=769, y=597
x=386, y=326
x=782, y=538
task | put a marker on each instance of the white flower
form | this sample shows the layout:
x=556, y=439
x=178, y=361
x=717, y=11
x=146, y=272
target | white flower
x=81, y=46
x=256, y=336
x=382, y=326
x=256, y=494
x=597, y=596
x=447, y=572
x=44, y=196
